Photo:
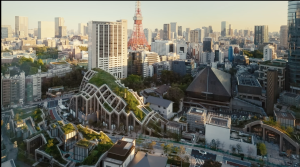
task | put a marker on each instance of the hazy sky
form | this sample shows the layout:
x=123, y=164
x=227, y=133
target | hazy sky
x=240, y=14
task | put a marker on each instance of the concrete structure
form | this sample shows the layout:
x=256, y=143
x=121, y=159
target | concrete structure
x=183, y=67
x=274, y=135
x=46, y=29
x=148, y=35
x=224, y=28
x=13, y=89
x=21, y=26
x=219, y=128
x=290, y=99
x=110, y=51
x=261, y=34
x=121, y=154
x=174, y=29
x=180, y=31
x=269, y=53
x=196, y=119
x=162, y=106
x=102, y=104
x=148, y=160
x=284, y=36
x=6, y=31
x=141, y=63
x=160, y=66
x=284, y=118
x=59, y=21
x=272, y=90
x=174, y=127
x=277, y=64
x=167, y=32
x=9, y=163
x=62, y=31
x=81, y=28
x=294, y=46
x=163, y=47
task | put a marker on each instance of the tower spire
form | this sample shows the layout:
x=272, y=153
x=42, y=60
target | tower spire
x=138, y=39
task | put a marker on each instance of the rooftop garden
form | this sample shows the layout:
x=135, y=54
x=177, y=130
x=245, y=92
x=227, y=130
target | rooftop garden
x=103, y=145
x=103, y=77
x=60, y=123
x=67, y=128
x=51, y=149
x=35, y=113
x=270, y=63
x=107, y=107
x=53, y=126
x=91, y=135
x=84, y=143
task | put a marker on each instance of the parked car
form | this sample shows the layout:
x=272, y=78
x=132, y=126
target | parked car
x=259, y=157
x=202, y=152
x=182, y=140
x=293, y=156
x=265, y=157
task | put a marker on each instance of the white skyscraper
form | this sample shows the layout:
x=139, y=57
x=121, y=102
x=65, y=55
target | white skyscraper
x=148, y=35
x=174, y=29
x=81, y=28
x=46, y=29
x=269, y=52
x=108, y=47
x=59, y=21
x=21, y=26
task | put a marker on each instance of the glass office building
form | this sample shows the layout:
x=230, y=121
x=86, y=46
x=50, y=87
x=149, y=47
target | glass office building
x=294, y=45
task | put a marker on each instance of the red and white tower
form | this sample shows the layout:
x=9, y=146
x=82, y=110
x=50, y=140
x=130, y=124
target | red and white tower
x=138, y=39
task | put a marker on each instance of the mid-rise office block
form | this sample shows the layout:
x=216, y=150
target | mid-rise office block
x=261, y=34
x=200, y=34
x=294, y=45
x=6, y=31
x=167, y=32
x=21, y=26
x=62, y=31
x=272, y=90
x=224, y=28
x=108, y=47
x=269, y=53
x=163, y=47
x=284, y=36
x=207, y=44
x=148, y=35
x=180, y=31
x=59, y=21
x=174, y=28
x=45, y=29
x=183, y=67
x=196, y=118
x=81, y=28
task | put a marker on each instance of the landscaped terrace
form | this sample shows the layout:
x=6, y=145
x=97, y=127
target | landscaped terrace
x=103, y=77
x=68, y=128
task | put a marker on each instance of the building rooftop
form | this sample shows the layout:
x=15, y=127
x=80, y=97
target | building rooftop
x=219, y=120
x=162, y=89
x=174, y=124
x=198, y=111
x=84, y=143
x=290, y=94
x=211, y=81
x=120, y=150
x=248, y=81
x=143, y=159
x=158, y=101
x=284, y=115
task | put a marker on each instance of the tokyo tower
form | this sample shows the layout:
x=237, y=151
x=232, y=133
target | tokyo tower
x=138, y=39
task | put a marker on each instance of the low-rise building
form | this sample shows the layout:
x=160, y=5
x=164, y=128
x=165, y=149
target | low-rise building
x=218, y=130
x=196, y=119
x=121, y=154
x=174, y=127
x=183, y=67
x=162, y=106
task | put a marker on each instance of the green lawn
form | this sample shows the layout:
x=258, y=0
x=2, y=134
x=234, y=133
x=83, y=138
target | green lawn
x=83, y=143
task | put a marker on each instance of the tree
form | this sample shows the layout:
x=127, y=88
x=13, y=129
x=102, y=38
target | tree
x=211, y=163
x=289, y=130
x=162, y=145
x=262, y=148
x=239, y=148
x=218, y=143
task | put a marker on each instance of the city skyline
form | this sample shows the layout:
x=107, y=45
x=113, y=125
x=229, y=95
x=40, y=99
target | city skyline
x=240, y=17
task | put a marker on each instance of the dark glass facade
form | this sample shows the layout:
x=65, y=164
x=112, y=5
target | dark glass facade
x=135, y=63
x=294, y=43
x=261, y=34
x=230, y=54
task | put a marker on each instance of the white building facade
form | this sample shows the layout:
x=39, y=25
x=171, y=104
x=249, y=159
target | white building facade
x=108, y=47
x=46, y=29
x=269, y=53
x=21, y=26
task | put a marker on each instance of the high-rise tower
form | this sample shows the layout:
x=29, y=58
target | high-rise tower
x=138, y=39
